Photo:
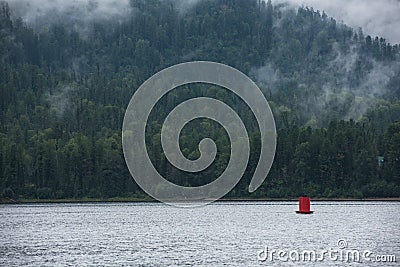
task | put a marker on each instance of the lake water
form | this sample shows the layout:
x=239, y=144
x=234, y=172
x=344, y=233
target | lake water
x=223, y=233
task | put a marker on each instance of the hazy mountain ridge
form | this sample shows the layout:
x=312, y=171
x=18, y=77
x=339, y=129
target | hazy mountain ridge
x=308, y=51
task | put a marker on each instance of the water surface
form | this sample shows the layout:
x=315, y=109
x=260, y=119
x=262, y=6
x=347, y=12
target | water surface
x=223, y=233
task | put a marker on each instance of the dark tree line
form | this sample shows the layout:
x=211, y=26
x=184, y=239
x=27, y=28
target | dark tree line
x=63, y=96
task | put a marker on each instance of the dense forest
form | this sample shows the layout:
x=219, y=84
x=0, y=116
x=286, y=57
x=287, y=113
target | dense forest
x=334, y=92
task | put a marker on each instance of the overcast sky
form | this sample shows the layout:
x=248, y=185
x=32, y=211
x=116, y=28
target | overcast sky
x=376, y=17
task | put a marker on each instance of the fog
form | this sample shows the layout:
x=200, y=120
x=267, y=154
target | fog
x=381, y=18
x=333, y=85
x=77, y=13
x=375, y=17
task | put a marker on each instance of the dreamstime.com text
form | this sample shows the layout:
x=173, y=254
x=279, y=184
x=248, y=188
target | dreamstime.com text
x=341, y=253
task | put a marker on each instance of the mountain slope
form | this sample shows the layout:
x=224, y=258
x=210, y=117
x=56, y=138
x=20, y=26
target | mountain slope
x=64, y=91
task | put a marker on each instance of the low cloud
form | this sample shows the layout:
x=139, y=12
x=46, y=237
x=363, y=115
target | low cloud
x=375, y=17
x=78, y=13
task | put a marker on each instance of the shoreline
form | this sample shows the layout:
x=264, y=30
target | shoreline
x=150, y=200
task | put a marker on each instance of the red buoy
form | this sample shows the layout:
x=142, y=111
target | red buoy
x=304, y=205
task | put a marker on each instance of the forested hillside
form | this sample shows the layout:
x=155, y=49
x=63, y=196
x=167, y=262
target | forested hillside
x=64, y=88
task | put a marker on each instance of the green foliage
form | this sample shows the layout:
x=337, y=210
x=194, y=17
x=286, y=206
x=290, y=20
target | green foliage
x=63, y=97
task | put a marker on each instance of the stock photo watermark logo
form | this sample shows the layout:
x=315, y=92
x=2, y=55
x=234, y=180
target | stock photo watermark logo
x=339, y=254
x=147, y=96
